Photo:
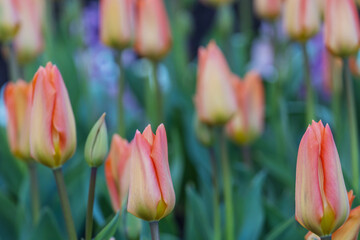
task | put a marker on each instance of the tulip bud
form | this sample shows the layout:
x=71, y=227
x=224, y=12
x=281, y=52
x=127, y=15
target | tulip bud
x=321, y=201
x=52, y=124
x=302, y=18
x=153, y=35
x=342, y=36
x=117, y=171
x=28, y=42
x=267, y=9
x=96, y=146
x=248, y=122
x=18, y=104
x=116, y=23
x=9, y=21
x=216, y=3
x=151, y=192
x=215, y=99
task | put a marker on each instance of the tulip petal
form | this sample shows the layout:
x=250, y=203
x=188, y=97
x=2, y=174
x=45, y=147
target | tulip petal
x=112, y=186
x=350, y=229
x=148, y=134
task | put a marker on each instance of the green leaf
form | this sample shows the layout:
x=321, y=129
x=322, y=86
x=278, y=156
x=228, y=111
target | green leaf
x=10, y=219
x=108, y=231
x=275, y=233
x=47, y=227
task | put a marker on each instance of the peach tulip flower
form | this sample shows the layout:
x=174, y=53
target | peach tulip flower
x=117, y=171
x=342, y=36
x=117, y=22
x=52, y=124
x=215, y=100
x=248, y=122
x=151, y=191
x=18, y=104
x=9, y=20
x=153, y=36
x=267, y=9
x=321, y=201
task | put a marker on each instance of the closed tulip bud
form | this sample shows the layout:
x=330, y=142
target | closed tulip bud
x=52, y=124
x=9, y=20
x=248, y=122
x=117, y=171
x=267, y=9
x=18, y=104
x=342, y=36
x=117, y=23
x=96, y=146
x=216, y=3
x=151, y=192
x=29, y=41
x=215, y=99
x=321, y=201
x=153, y=35
x=302, y=18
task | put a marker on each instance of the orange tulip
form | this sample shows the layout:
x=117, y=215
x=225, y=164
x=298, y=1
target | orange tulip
x=342, y=36
x=151, y=192
x=216, y=3
x=267, y=9
x=153, y=35
x=248, y=122
x=29, y=40
x=117, y=171
x=52, y=125
x=215, y=99
x=321, y=201
x=9, y=20
x=302, y=18
x=18, y=104
x=116, y=22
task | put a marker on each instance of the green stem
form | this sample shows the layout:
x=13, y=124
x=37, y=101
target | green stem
x=34, y=186
x=14, y=69
x=216, y=204
x=154, y=227
x=120, y=110
x=326, y=237
x=158, y=92
x=89, y=212
x=65, y=204
x=246, y=153
x=336, y=99
x=310, y=112
x=227, y=187
x=352, y=126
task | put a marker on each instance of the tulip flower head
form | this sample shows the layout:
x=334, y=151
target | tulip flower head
x=9, y=20
x=117, y=23
x=342, y=33
x=215, y=99
x=321, y=201
x=151, y=192
x=117, y=171
x=52, y=124
x=153, y=36
x=18, y=104
x=248, y=122
x=302, y=18
x=268, y=9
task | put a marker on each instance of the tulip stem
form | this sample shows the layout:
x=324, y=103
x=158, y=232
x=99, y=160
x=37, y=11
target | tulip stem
x=216, y=204
x=65, y=204
x=159, y=106
x=310, y=111
x=227, y=187
x=89, y=212
x=154, y=227
x=326, y=237
x=13, y=65
x=352, y=125
x=120, y=97
x=34, y=186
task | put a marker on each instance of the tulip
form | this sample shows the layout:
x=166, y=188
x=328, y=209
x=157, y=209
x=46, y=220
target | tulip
x=321, y=201
x=117, y=171
x=216, y=3
x=342, y=36
x=267, y=9
x=9, y=20
x=18, y=104
x=151, y=192
x=248, y=122
x=29, y=41
x=153, y=35
x=52, y=125
x=215, y=99
x=116, y=23
x=302, y=18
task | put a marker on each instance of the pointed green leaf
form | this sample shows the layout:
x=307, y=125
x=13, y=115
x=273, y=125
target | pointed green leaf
x=108, y=231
